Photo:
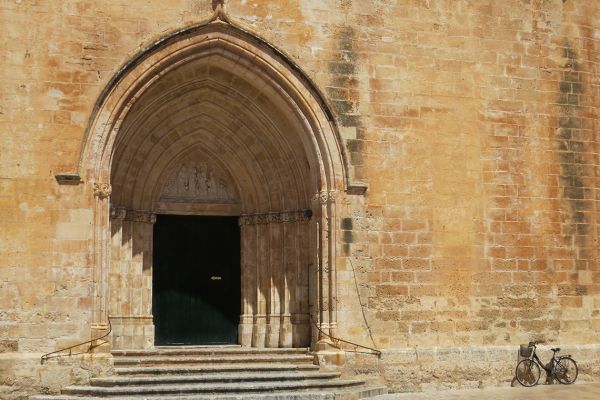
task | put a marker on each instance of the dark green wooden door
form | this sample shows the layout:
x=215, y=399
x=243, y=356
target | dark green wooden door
x=196, y=280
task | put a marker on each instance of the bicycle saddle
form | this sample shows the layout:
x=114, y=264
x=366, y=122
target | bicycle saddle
x=556, y=349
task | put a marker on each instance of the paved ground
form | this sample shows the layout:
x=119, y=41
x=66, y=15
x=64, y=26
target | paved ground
x=578, y=391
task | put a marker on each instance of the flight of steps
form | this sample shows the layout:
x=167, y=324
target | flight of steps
x=227, y=373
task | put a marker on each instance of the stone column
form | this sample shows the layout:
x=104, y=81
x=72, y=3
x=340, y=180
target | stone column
x=276, y=274
x=288, y=283
x=248, y=281
x=332, y=229
x=323, y=266
x=326, y=312
x=117, y=216
x=263, y=286
x=100, y=258
x=302, y=267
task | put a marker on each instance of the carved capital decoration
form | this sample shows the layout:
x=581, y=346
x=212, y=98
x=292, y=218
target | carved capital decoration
x=273, y=218
x=118, y=212
x=321, y=197
x=144, y=216
x=326, y=196
x=261, y=219
x=276, y=217
x=122, y=213
x=102, y=190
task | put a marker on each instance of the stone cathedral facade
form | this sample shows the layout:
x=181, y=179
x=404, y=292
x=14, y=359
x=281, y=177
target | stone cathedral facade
x=418, y=177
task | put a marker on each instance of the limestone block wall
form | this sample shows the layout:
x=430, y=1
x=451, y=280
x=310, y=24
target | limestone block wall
x=476, y=130
x=473, y=123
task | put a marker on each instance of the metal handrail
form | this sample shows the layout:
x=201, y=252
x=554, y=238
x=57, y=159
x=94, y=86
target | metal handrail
x=55, y=354
x=337, y=340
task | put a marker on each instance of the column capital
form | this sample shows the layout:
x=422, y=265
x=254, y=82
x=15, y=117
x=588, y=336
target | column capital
x=144, y=216
x=102, y=190
x=118, y=213
x=325, y=196
x=276, y=217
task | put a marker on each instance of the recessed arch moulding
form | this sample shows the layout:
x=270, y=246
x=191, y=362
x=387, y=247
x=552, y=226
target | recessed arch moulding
x=213, y=121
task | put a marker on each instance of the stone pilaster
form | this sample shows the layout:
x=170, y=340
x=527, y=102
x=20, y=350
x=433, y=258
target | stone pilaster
x=131, y=278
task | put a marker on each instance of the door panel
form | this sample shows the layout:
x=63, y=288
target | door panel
x=196, y=280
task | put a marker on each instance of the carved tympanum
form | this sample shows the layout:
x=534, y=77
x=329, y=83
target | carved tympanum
x=197, y=183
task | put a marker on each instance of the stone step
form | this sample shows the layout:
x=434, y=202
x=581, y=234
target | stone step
x=207, y=351
x=345, y=394
x=211, y=388
x=213, y=377
x=217, y=368
x=210, y=373
x=278, y=396
x=220, y=359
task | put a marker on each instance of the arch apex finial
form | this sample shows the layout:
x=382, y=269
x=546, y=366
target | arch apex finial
x=219, y=12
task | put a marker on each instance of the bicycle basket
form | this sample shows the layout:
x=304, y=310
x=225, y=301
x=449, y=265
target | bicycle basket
x=525, y=351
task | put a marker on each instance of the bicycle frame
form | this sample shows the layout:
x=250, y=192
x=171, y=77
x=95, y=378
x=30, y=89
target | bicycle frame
x=539, y=362
x=551, y=365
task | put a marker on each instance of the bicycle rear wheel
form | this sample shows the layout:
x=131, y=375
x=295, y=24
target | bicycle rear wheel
x=527, y=373
x=566, y=370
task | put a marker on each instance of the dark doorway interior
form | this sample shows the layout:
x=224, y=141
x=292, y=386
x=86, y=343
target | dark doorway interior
x=196, y=282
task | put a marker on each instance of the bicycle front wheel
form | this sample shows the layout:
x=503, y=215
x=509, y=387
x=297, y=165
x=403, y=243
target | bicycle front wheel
x=566, y=370
x=527, y=373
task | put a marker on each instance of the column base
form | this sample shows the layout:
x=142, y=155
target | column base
x=285, y=332
x=101, y=345
x=259, y=334
x=245, y=334
x=329, y=356
x=132, y=332
x=272, y=334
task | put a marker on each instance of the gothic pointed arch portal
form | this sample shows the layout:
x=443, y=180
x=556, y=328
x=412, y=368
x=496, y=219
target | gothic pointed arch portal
x=212, y=120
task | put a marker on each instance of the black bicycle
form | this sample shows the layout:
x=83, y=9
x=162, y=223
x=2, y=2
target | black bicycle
x=563, y=368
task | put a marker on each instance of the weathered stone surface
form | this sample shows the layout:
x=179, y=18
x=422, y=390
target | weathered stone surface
x=474, y=126
x=22, y=374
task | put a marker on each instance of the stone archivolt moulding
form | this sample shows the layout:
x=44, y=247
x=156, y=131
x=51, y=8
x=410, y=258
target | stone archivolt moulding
x=298, y=94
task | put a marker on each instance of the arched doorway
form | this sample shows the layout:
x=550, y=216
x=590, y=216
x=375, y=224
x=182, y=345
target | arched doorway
x=212, y=121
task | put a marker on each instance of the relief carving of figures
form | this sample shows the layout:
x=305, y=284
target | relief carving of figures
x=197, y=182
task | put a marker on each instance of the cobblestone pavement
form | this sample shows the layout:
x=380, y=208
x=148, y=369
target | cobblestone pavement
x=578, y=391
